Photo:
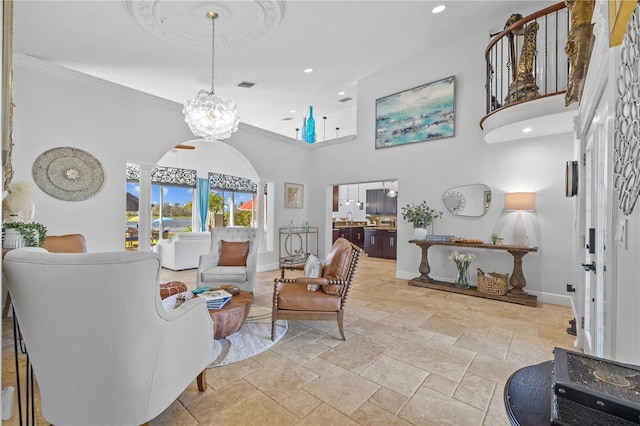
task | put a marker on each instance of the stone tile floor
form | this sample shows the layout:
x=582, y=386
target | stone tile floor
x=413, y=356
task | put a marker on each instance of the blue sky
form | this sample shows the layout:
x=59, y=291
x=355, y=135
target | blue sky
x=178, y=195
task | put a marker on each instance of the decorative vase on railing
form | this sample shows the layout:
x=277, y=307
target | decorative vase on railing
x=462, y=261
x=309, y=131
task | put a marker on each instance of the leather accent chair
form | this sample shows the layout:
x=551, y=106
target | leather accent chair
x=103, y=347
x=212, y=274
x=293, y=300
x=70, y=243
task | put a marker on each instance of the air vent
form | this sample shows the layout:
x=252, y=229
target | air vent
x=287, y=118
x=345, y=99
x=246, y=84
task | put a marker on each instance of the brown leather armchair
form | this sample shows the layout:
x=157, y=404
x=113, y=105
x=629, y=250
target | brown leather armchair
x=70, y=243
x=292, y=299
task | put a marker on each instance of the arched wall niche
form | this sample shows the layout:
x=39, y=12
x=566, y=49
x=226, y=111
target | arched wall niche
x=214, y=156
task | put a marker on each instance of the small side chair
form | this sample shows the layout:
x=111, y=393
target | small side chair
x=293, y=300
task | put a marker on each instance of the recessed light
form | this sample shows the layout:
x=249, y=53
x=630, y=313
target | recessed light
x=438, y=9
x=292, y=111
x=340, y=93
x=308, y=70
x=527, y=130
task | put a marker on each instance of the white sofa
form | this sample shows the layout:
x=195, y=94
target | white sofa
x=183, y=251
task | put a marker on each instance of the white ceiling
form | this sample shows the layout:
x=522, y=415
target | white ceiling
x=164, y=47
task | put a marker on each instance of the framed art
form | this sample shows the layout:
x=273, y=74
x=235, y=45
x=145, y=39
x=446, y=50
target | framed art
x=293, y=195
x=416, y=115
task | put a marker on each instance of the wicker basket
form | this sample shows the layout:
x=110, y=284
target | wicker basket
x=492, y=283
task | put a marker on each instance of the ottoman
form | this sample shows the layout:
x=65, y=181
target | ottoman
x=169, y=288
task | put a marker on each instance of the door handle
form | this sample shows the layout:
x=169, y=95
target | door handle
x=589, y=267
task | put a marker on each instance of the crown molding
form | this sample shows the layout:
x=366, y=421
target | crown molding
x=21, y=60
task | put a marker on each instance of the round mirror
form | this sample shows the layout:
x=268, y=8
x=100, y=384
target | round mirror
x=468, y=200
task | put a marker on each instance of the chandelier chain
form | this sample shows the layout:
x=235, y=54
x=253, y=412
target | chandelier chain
x=213, y=44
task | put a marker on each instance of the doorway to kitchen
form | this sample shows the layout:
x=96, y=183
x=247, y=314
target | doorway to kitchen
x=366, y=213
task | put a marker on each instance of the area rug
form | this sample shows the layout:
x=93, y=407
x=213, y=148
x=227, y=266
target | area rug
x=253, y=338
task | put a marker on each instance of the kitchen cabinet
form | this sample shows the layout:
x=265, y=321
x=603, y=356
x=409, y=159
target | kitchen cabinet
x=335, y=235
x=336, y=198
x=380, y=243
x=355, y=234
x=379, y=203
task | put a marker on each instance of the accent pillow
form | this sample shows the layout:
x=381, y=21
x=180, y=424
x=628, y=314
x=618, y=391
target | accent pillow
x=233, y=253
x=312, y=269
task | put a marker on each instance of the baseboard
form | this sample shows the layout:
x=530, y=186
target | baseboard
x=268, y=267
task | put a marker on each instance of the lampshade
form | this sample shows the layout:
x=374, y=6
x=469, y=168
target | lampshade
x=208, y=115
x=514, y=201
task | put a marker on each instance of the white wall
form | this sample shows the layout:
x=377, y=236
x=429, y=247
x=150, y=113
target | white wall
x=116, y=127
x=56, y=107
x=425, y=170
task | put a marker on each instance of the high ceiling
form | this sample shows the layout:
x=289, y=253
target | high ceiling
x=163, y=48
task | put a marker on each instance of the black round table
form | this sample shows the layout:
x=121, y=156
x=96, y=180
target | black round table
x=527, y=395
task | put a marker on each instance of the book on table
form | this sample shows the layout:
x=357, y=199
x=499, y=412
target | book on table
x=216, y=299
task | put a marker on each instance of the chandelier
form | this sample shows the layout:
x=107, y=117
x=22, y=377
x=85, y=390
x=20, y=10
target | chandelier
x=208, y=115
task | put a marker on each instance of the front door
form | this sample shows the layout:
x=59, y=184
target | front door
x=595, y=234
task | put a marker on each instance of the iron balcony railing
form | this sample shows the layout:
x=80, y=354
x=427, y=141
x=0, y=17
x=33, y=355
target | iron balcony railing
x=527, y=61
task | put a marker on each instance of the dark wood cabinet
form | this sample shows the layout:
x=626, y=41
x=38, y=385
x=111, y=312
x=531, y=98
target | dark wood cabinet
x=380, y=243
x=336, y=198
x=389, y=248
x=379, y=203
x=355, y=234
x=344, y=233
x=371, y=206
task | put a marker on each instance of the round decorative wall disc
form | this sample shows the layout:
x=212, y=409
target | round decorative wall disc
x=68, y=174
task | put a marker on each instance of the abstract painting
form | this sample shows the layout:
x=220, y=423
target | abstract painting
x=416, y=115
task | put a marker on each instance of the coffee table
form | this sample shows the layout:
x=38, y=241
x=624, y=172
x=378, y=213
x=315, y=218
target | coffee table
x=230, y=318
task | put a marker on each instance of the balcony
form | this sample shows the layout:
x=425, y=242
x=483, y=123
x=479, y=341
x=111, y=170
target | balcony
x=527, y=71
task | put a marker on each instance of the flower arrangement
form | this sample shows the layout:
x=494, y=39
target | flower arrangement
x=420, y=215
x=462, y=261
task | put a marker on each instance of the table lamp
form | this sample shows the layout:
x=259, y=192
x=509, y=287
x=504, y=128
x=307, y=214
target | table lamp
x=519, y=201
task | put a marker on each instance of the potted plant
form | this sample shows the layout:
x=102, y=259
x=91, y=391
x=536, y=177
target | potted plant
x=32, y=234
x=420, y=216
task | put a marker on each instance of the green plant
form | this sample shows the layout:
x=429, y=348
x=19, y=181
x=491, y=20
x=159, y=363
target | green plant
x=419, y=215
x=33, y=233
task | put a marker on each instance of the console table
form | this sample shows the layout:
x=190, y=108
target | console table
x=517, y=280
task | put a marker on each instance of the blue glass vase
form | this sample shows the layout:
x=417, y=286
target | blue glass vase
x=310, y=134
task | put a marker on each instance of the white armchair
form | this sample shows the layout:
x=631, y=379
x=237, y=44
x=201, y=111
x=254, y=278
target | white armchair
x=212, y=274
x=103, y=348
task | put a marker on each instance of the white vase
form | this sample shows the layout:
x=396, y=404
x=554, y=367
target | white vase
x=12, y=239
x=420, y=233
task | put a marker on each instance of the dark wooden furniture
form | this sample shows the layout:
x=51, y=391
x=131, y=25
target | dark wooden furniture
x=517, y=280
x=379, y=203
x=336, y=199
x=380, y=243
x=527, y=395
x=230, y=318
x=354, y=234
